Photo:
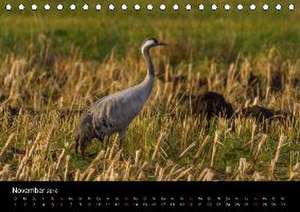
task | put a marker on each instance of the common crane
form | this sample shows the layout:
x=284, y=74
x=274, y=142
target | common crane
x=113, y=113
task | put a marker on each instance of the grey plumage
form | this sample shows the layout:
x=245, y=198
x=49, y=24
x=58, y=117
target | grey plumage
x=112, y=114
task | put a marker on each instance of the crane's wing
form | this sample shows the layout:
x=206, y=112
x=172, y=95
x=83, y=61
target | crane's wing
x=115, y=112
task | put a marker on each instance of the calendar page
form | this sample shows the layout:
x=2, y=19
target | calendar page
x=145, y=90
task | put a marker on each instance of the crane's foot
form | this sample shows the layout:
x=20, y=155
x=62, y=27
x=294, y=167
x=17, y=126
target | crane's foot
x=92, y=154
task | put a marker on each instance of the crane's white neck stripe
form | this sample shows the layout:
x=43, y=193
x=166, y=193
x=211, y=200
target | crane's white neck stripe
x=147, y=44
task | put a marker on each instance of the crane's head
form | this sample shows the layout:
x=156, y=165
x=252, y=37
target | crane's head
x=151, y=42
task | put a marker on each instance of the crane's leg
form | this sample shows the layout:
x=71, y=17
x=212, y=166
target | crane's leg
x=76, y=145
x=82, y=149
x=83, y=143
x=122, y=135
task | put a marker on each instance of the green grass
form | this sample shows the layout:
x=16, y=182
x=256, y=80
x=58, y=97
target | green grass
x=214, y=35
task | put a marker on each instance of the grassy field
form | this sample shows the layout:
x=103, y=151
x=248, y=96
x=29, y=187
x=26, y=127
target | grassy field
x=54, y=65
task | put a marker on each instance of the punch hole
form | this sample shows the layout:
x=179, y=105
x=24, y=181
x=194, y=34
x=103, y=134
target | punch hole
x=98, y=7
x=111, y=7
x=240, y=7
x=265, y=7
x=149, y=7
x=252, y=7
x=60, y=7
x=34, y=7
x=291, y=7
x=85, y=7
x=175, y=7
x=227, y=7
x=21, y=7
x=214, y=7
x=162, y=7
x=8, y=7
x=72, y=7
x=124, y=7
x=137, y=7
x=201, y=7
x=47, y=7
x=278, y=7
x=188, y=7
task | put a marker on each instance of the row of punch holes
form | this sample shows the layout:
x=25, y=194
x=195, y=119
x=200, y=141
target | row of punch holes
x=150, y=7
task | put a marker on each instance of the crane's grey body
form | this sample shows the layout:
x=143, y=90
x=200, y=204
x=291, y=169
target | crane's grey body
x=119, y=109
x=115, y=112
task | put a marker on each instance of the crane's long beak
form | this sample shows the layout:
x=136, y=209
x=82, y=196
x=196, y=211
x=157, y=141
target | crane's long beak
x=162, y=44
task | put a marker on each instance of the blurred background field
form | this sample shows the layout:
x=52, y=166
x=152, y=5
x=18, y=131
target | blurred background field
x=53, y=65
x=219, y=35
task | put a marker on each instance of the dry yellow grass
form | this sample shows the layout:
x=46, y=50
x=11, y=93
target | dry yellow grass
x=165, y=142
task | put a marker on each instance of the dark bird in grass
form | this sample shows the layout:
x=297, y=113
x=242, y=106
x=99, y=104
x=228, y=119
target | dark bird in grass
x=210, y=104
x=277, y=81
x=263, y=114
x=257, y=112
x=113, y=113
x=12, y=112
x=254, y=87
